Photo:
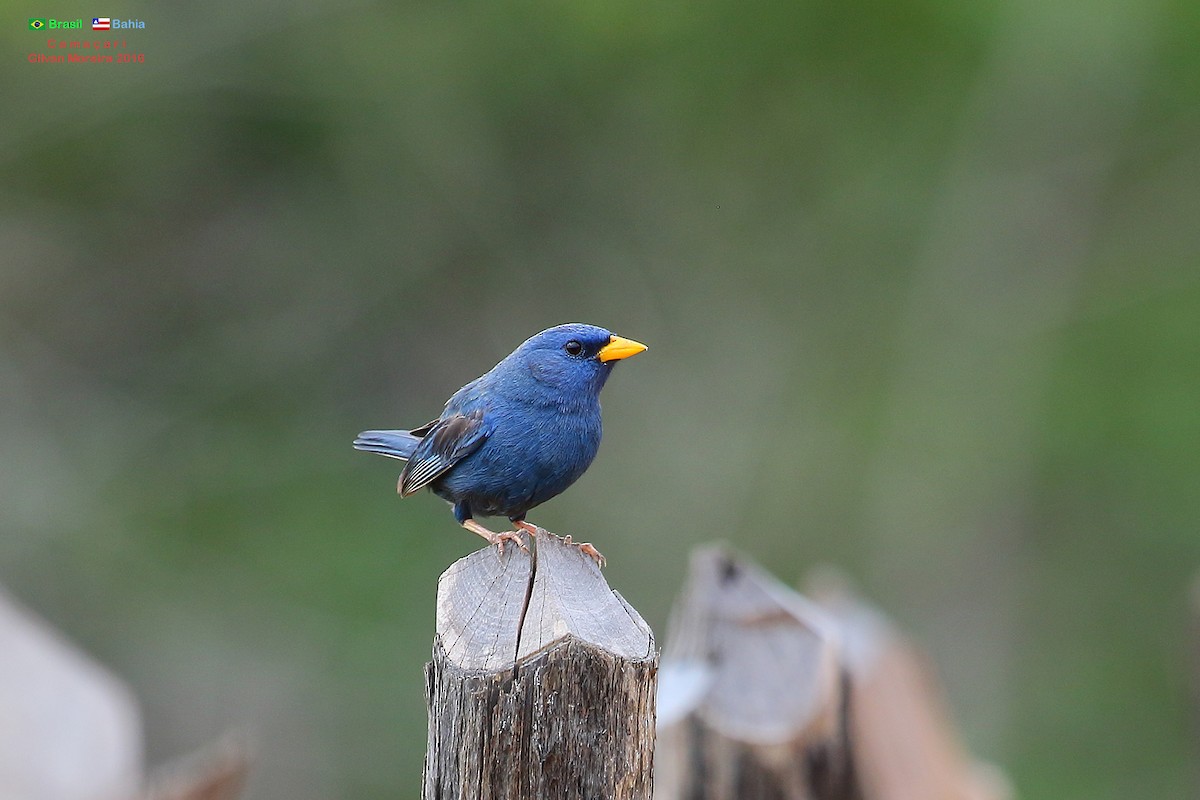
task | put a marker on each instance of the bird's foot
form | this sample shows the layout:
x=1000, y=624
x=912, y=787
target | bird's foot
x=495, y=538
x=532, y=529
x=500, y=538
x=587, y=549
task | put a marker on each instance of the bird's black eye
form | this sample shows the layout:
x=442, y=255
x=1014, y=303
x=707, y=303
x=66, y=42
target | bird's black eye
x=573, y=348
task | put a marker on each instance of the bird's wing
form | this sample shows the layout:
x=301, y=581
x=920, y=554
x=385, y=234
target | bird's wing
x=447, y=441
x=425, y=429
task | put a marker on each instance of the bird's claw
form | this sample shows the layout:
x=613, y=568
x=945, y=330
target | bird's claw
x=532, y=530
x=588, y=549
x=500, y=538
x=495, y=538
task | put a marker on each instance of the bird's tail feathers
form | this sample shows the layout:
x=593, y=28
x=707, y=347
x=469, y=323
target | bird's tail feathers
x=394, y=444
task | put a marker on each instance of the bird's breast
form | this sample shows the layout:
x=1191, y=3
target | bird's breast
x=534, y=453
x=556, y=438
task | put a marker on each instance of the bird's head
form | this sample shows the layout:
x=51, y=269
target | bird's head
x=572, y=361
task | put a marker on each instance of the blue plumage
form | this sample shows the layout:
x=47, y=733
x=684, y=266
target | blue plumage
x=516, y=436
x=396, y=444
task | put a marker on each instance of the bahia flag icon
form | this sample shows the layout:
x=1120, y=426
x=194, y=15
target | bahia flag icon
x=101, y=23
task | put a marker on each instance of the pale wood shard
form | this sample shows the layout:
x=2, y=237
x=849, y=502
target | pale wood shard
x=542, y=683
x=69, y=730
x=752, y=688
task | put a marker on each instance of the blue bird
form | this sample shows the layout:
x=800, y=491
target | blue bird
x=516, y=436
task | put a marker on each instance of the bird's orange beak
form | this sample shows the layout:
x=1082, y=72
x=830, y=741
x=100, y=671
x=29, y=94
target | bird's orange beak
x=618, y=348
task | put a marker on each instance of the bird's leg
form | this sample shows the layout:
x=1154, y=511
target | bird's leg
x=585, y=547
x=497, y=539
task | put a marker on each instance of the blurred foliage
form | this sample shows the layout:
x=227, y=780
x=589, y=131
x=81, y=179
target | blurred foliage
x=919, y=281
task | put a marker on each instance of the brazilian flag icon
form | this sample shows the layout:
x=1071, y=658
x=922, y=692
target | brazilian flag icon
x=37, y=23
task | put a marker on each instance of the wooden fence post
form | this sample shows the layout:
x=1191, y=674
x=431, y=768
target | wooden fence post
x=542, y=683
x=766, y=695
x=752, y=705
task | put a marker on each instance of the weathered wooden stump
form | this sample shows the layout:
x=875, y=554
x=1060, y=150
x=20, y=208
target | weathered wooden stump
x=752, y=704
x=542, y=683
x=69, y=730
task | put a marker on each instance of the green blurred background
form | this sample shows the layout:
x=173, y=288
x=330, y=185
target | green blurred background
x=919, y=279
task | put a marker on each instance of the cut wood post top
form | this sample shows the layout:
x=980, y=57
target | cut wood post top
x=751, y=657
x=495, y=610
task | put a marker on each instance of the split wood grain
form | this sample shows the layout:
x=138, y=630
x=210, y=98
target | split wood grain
x=542, y=683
